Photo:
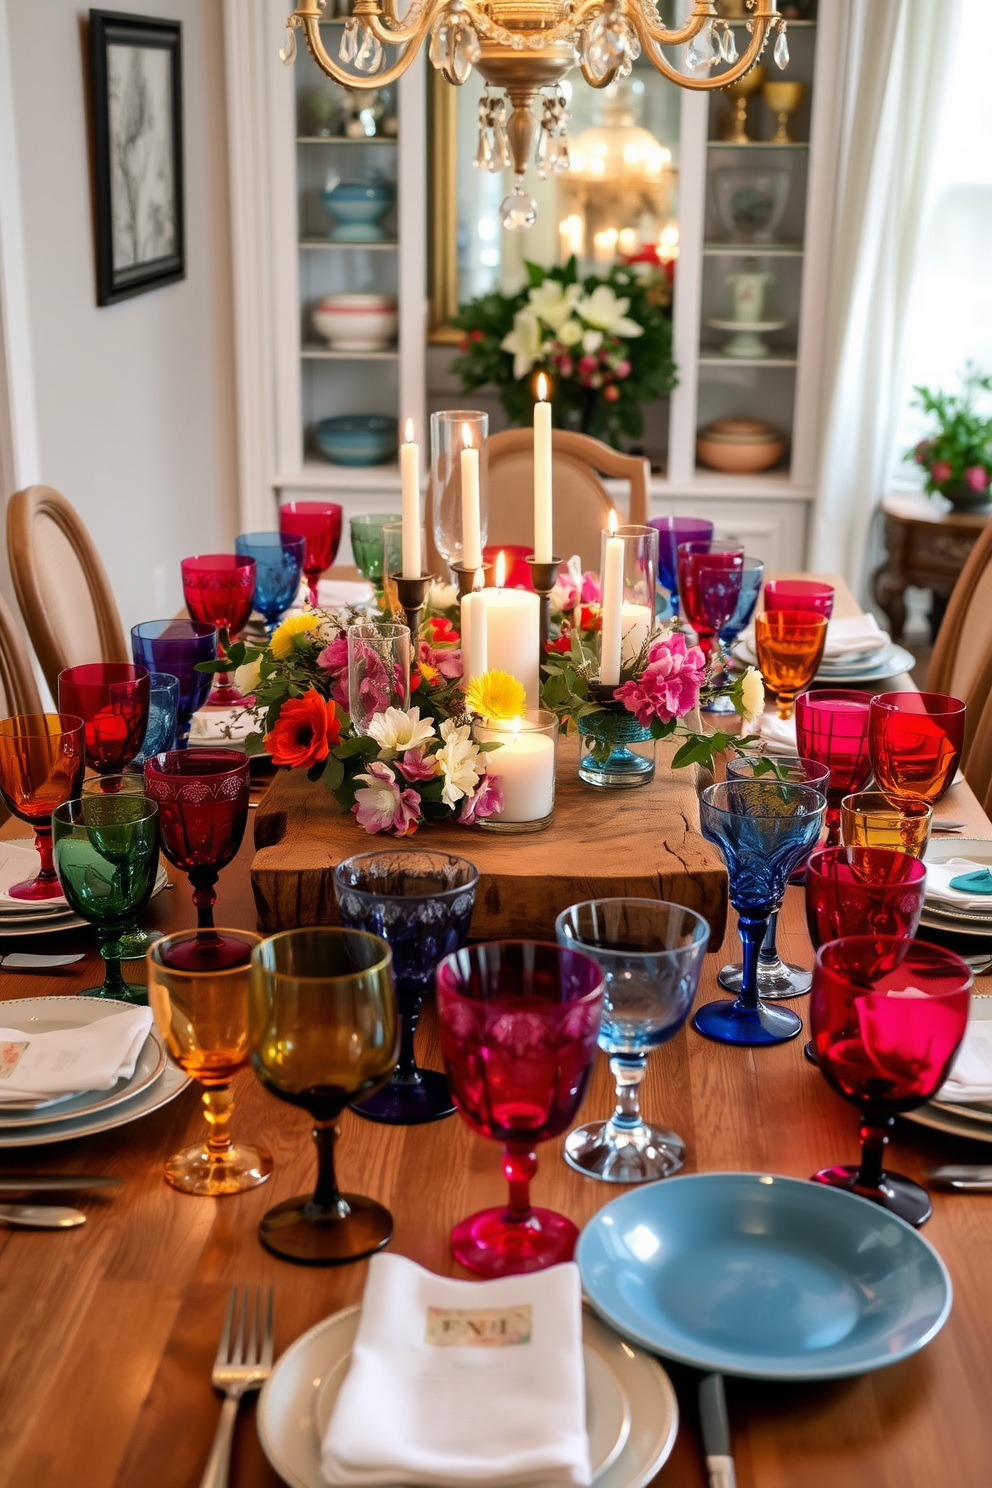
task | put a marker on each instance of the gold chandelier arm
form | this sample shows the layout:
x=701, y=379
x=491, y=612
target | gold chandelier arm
x=702, y=11
x=654, y=54
x=308, y=20
x=385, y=25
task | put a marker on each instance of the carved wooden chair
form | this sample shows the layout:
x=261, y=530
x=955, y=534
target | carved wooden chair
x=18, y=688
x=961, y=664
x=61, y=585
x=979, y=767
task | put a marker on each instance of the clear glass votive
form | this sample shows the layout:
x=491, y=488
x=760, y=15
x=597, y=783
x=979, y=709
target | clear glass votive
x=378, y=669
x=524, y=765
x=452, y=430
x=640, y=579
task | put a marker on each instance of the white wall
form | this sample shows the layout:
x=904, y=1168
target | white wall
x=134, y=403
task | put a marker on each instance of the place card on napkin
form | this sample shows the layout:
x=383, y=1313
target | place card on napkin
x=462, y=1382
x=856, y=635
x=947, y=883
x=970, y=1080
x=63, y=1061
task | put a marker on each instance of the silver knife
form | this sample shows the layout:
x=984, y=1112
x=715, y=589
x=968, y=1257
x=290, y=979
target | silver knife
x=29, y=961
x=973, y=1176
x=54, y=1182
x=716, y=1432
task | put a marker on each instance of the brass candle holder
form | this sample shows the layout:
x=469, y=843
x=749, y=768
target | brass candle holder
x=465, y=577
x=412, y=594
x=783, y=99
x=543, y=577
x=735, y=129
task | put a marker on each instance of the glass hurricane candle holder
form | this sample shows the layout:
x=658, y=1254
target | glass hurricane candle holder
x=806, y=595
x=178, y=647
x=219, y=590
x=789, y=646
x=650, y=954
x=42, y=757
x=324, y=1030
x=709, y=587
x=639, y=583
x=319, y=524
x=915, y=741
x=453, y=430
x=278, y=560
x=672, y=531
x=869, y=819
x=518, y=1023
x=832, y=728
x=888, y=1016
x=525, y=766
x=203, y=1018
x=378, y=670
x=112, y=698
x=863, y=891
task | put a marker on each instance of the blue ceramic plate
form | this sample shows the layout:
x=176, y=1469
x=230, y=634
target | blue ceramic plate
x=774, y=1278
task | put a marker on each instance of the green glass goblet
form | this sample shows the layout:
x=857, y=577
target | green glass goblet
x=134, y=941
x=106, y=857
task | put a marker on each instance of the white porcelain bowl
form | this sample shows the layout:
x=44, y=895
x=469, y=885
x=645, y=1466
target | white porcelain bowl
x=357, y=322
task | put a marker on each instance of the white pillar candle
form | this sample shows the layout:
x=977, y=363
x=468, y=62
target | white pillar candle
x=525, y=765
x=513, y=641
x=471, y=514
x=410, y=474
x=612, y=602
x=543, y=543
x=474, y=633
x=635, y=626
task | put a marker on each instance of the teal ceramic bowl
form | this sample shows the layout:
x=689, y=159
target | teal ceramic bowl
x=359, y=439
x=772, y=1278
x=358, y=208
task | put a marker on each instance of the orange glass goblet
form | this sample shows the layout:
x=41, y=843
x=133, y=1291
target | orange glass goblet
x=790, y=645
x=42, y=756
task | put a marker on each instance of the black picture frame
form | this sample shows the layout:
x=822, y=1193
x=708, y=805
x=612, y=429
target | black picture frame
x=137, y=107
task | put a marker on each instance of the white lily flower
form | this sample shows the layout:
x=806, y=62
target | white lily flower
x=608, y=313
x=553, y=302
x=570, y=333
x=396, y=731
x=591, y=342
x=524, y=341
x=461, y=763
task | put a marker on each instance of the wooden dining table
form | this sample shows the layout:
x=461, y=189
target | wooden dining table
x=108, y=1332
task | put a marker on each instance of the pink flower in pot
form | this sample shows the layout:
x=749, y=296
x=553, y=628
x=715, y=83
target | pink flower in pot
x=977, y=477
x=940, y=471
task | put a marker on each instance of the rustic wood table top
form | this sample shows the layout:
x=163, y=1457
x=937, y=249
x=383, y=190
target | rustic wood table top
x=108, y=1333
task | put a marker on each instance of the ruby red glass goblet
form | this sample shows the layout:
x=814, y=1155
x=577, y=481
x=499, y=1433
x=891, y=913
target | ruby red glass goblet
x=863, y=891
x=888, y=1016
x=915, y=741
x=519, y=1023
x=709, y=586
x=41, y=766
x=832, y=728
x=800, y=594
x=219, y=590
x=202, y=797
x=319, y=524
x=112, y=698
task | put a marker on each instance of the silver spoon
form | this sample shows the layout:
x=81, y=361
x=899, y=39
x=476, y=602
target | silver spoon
x=40, y=1217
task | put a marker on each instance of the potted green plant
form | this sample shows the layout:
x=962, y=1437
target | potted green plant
x=957, y=458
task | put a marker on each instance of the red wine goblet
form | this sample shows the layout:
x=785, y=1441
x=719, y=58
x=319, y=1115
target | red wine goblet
x=202, y=797
x=832, y=728
x=41, y=766
x=800, y=594
x=319, y=524
x=219, y=590
x=915, y=741
x=863, y=891
x=709, y=586
x=519, y=1023
x=112, y=698
x=888, y=1016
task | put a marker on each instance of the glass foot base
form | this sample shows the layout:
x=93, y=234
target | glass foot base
x=899, y=1195
x=209, y=951
x=601, y=1151
x=490, y=1244
x=809, y=1050
x=134, y=946
x=37, y=890
x=732, y=1023
x=195, y=1170
x=410, y=1105
x=137, y=996
x=297, y=1231
x=620, y=772
x=225, y=695
x=774, y=982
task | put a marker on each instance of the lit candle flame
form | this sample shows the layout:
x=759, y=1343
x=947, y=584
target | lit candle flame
x=515, y=727
x=479, y=582
x=466, y=436
x=408, y=431
x=542, y=388
x=500, y=569
x=613, y=522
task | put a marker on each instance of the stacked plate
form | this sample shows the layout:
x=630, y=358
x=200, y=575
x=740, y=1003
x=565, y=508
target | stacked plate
x=973, y=1120
x=877, y=660
x=957, y=913
x=38, y=1123
x=21, y=917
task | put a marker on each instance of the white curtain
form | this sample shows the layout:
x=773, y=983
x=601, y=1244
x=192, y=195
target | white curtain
x=896, y=69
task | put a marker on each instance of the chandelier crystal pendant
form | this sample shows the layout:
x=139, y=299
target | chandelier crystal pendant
x=522, y=49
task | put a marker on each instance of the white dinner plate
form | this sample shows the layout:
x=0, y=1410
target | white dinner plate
x=952, y=1117
x=943, y=915
x=297, y=1399
x=15, y=927
x=897, y=660
x=19, y=860
x=47, y=1014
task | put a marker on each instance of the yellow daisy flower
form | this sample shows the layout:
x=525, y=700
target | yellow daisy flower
x=496, y=695
x=284, y=637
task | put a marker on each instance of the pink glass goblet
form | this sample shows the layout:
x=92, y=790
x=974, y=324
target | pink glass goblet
x=863, y=891
x=113, y=699
x=519, y=1023
x=800, y=594
x=832, y=728
x=219, y=590
x=709, y=575
x=319, y=524
x=888, y=1016
x=915, y=741
x=41, y=766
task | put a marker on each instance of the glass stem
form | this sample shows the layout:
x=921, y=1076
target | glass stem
x=519, y=1167
x=218, y=1108
x=312, y=579
x=204, y=897
x=832, y=821
x=769, y=950
x=327, y=1202
x=628, y=1074
x=114, y=984
x=751, y=929
x=874, y=1134
x=43, y=844
x=406, y=1071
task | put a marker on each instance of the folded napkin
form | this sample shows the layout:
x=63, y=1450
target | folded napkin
x=221, y=725
x=777, y=734
x=970, y=1080
x=851, y=637
x=462, y=1382
x=36, y=1066
x=331, y=593
x=948, y=883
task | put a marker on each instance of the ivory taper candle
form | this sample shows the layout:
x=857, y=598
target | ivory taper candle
x=543, y=543
x=471, y=513
x=612, y=603
x=410, y=475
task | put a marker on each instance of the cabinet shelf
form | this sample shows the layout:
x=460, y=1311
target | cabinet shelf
x=752, y=145
x=389, y=243
x=714, y=359
x=325, y=354
x=344, y=139
x=753, y=250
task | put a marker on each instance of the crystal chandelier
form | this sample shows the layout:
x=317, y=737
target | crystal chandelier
x=522, y=49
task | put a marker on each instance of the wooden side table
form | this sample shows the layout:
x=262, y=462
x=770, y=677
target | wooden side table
x=927, y=545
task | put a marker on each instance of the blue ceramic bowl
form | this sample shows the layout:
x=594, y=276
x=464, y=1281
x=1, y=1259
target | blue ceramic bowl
x=773, y=1278
x=359, y=439
x=358, y=208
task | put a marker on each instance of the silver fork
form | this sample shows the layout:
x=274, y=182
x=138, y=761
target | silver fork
x=238, y=1368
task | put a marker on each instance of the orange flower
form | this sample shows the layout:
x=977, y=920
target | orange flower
x=305, y=731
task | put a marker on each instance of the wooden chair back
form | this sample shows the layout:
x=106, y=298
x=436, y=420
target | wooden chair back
x=18, y=688
x=61, y=585
x=979, y=767
x=961, y=664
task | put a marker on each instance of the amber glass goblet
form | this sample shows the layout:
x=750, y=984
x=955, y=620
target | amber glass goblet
x=869, y=819
x=203, y=1018
x=41, y=765
x=219, y=590
x=324, y=1031
x=789, y=644
x=113, y=699
x=915, y=741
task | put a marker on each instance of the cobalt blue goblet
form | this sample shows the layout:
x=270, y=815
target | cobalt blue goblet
x=421, y=904
x=752, y=575
x=762, y=828
x=650, y=954
x=177, y=647
x=278, y=568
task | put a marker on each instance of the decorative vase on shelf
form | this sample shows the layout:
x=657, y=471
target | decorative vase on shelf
x=607, y=759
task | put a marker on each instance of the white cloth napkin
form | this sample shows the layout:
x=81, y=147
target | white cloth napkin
x=855, y=635
x=777, y=734
x=221, y=726
x=970, y=1080
x=939, y=889
x=62, y=1061
x=334, y=592
x=415, y=1410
